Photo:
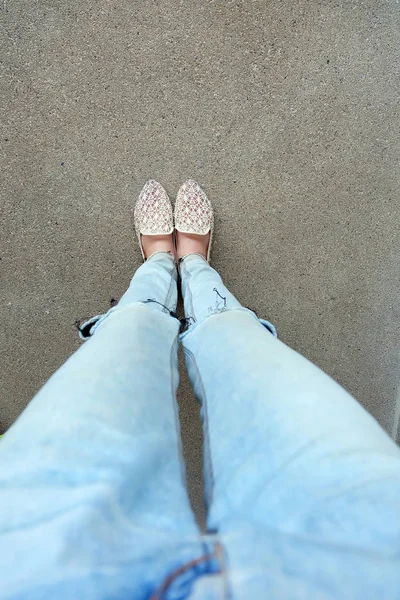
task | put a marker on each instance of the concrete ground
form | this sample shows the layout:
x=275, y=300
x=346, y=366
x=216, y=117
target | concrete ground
x=288, y=115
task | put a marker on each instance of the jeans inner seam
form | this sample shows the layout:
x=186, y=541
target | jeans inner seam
x=187, y=276
x=172, y=280
x=191, y=356
x=174, y=349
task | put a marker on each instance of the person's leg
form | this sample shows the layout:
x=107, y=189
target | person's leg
x=301, y=481
x=93, y=501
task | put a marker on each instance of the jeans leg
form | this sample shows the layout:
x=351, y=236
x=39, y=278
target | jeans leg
x=289, y=453
x=93, y=502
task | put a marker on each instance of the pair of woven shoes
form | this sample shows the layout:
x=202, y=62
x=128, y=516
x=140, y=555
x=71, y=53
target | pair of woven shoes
x=154, y=214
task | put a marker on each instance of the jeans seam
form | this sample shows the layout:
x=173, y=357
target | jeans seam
x=170, y=286
x=176, y=414
x=187, y=275
x=206, y=421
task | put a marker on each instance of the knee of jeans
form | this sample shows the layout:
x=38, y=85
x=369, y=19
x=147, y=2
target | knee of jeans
x=188, y=324
x=89, y=327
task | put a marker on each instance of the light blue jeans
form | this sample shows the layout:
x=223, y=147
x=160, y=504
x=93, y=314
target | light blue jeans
x=302, y=485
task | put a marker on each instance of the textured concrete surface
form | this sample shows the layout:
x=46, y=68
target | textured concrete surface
x=286, y=112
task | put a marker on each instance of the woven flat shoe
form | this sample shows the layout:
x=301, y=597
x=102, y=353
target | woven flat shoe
x=153, y=212
x=194, y=212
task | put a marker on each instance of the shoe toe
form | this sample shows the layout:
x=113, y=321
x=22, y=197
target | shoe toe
x=153, y=210
x=193, y=210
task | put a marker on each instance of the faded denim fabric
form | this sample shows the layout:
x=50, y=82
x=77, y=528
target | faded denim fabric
x=302, y=485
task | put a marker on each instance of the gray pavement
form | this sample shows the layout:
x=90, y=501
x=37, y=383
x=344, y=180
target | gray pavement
x=286, y=113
